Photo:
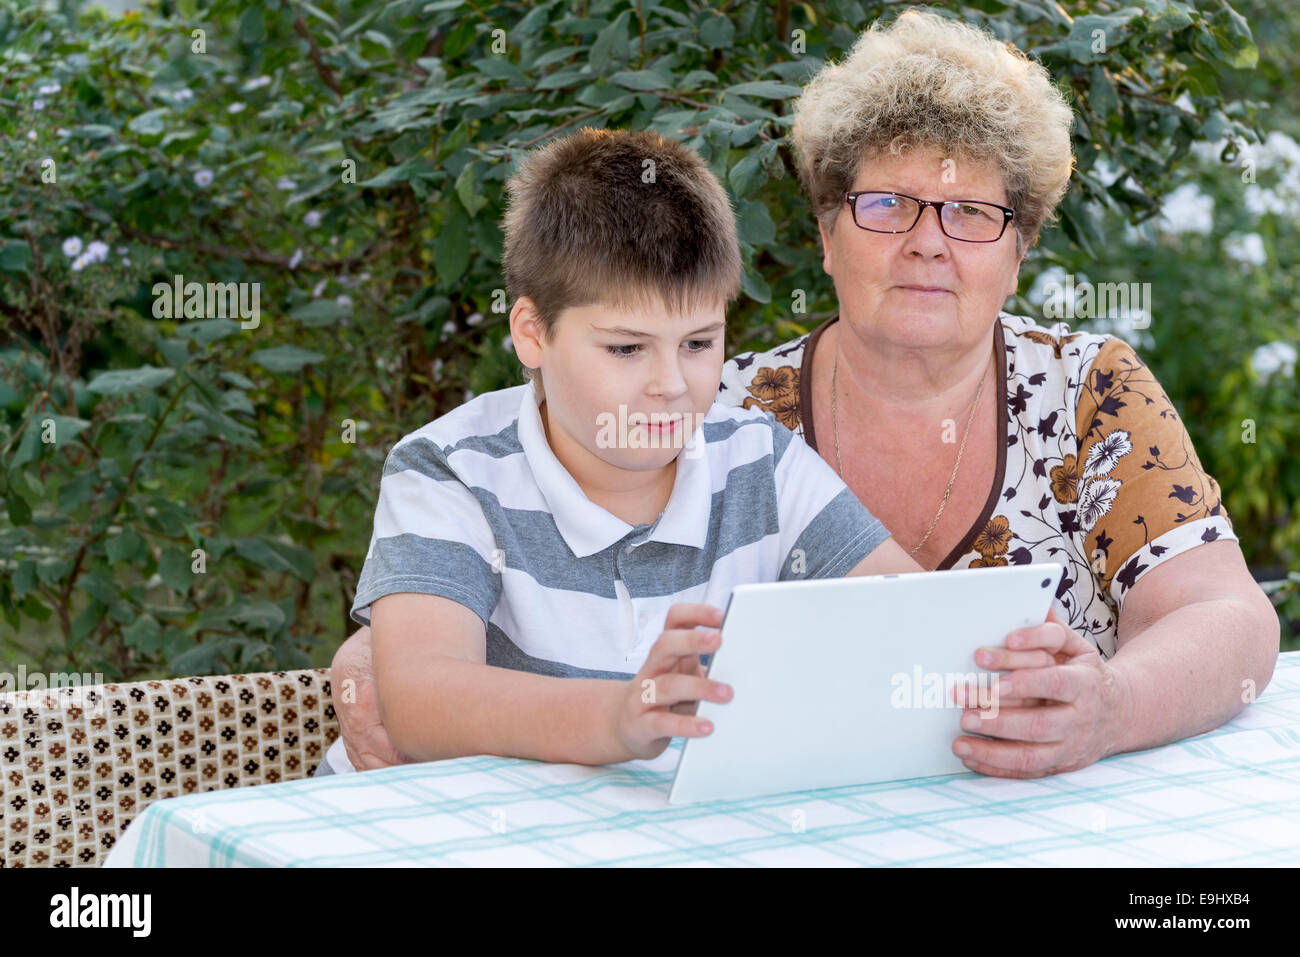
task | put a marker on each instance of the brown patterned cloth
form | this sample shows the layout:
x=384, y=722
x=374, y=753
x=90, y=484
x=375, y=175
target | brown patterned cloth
x=1097, y=472
x=78, y=764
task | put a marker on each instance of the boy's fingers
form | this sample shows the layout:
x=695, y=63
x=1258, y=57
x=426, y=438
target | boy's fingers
x=676, y=644
x=674, y=688
x=666, y=724
x=687, y=614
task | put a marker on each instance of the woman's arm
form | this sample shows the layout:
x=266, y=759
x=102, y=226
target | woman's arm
x=1197, y=642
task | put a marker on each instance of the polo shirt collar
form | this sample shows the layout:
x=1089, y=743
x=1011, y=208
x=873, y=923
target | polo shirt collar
x=586, y=527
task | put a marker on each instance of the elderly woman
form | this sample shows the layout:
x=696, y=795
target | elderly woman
x=933, y=156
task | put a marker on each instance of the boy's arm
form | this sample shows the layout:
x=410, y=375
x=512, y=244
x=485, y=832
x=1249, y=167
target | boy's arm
x=439, y=699
x=886, y=558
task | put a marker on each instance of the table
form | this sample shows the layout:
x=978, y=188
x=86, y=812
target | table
x=1227, y=797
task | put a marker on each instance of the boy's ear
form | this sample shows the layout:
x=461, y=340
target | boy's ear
x=526, y=332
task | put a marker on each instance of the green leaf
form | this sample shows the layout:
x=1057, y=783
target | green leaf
x=20, y=513
x=91, y=131
x=394, y=174
x=717, y=32
x=252, y=25
x=451, y=249
x=124, y=546
x=755, y=287
x=205, y=331
x=605, y=41
x=766, y=89
x=24, y=579
x=747, y=174
x=174, y=569
x=285, y=358
x=148, y=124
x=123, y=381
x=98, y=585
x=472, y=199
x=260, y=616
x=754, y=223
x=144, y=634
x=15, y=255
x=278, y=556
x=642, y=80
x=318, y=312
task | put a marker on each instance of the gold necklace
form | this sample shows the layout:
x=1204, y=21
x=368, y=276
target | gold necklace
x=835, y=425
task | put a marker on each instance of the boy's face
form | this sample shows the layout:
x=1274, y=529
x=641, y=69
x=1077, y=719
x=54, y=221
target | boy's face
x=611, y=376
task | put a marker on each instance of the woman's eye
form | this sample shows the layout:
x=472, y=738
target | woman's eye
x=615, y=351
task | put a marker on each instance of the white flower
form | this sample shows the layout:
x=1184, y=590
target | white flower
x=344, y=301
x=1248, y=249
x=448, y=327
x=31, y=134
x=81, y=262
x=97, y=251
x=182, y=95
x=257, y=83
x=318, y=289
x=1105, y=455
x=61, y=133
x=285, y=182
x=363, y=277
x=295, y=259
x=1187, y=210
x=236, y=107
x=72, y=246
x=469, y=394
x=38, y=104
x=436, y=369
x=121, y=250
x=1095, y=501
x=312, y=219
x=49, y=89
x=125, y=261
x=508, y=344
x=203, y=178
x=1272, y=358
x=474, y=318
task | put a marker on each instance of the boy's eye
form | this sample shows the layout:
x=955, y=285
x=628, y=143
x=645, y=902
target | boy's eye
x=693, y=345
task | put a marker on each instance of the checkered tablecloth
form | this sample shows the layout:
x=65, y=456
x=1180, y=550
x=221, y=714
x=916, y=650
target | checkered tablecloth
x=1228, y=797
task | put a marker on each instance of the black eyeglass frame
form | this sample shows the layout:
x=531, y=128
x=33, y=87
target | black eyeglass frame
x=1008, y=214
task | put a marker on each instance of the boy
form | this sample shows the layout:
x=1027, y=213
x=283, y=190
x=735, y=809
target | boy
x=548, y=561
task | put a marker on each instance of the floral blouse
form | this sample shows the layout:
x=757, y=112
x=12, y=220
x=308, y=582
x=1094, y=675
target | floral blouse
x=1097, y=472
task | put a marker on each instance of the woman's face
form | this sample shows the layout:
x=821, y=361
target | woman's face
x=922, y=289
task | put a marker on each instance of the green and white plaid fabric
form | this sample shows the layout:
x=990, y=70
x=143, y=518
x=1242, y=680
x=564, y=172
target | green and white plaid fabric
x=1228, y=797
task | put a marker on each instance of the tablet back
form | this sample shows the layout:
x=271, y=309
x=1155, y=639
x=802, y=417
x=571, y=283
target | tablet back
x=847, y=681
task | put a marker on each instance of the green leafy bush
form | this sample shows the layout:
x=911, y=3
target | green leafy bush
x=189, y=484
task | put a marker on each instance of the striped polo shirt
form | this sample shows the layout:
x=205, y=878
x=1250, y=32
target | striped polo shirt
x=476, y=507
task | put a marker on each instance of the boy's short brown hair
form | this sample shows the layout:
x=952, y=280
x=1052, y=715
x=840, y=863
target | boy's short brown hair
x=629, y=218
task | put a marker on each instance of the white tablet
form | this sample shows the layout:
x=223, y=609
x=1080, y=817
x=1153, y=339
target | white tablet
x=846, y=681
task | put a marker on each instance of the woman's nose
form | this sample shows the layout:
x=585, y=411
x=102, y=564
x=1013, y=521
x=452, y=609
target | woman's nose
x=927, y=236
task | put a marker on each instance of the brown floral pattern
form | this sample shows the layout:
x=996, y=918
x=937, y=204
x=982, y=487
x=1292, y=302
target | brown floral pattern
x=1100, y=476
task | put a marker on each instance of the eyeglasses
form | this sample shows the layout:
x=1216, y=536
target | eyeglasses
x=967, y=220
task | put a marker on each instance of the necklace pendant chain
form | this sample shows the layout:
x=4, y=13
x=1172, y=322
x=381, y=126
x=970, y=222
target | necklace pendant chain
x=835, y=425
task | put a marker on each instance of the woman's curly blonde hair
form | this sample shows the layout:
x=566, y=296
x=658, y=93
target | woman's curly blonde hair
x=926, y=81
